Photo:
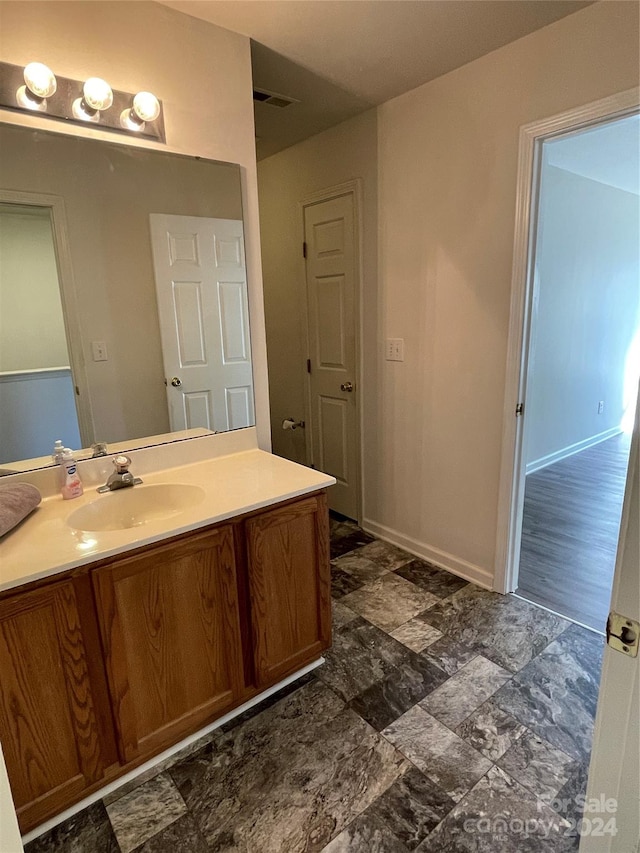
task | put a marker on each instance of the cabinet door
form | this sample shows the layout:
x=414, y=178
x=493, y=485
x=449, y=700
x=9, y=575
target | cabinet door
x=47, y=720
x=289, y=587
x=170, y=627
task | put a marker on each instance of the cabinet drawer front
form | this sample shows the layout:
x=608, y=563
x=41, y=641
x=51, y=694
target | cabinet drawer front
x=170, y=626
x=47, y=721
x=290, y=587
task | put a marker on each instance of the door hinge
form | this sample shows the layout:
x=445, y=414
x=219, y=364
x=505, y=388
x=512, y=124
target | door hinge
x=623, y=634
x=308, y=365
x=77, y=390
x=304, y=250
x=519, y=410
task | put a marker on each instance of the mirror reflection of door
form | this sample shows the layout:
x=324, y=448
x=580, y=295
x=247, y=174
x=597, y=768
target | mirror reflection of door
x=37, y=399
x=201, y=287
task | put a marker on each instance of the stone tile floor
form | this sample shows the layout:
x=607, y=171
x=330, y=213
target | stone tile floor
x=446, y=718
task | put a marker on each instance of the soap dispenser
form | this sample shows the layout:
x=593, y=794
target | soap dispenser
x=71, y=482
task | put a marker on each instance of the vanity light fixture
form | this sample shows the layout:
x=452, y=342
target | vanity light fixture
x=39, y=84
x=145, y=108
x=35, y=87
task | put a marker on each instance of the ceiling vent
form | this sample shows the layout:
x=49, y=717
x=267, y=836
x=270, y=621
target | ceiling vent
x=273, y=99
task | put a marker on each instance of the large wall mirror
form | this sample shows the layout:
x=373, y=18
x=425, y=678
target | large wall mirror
x=123, y=296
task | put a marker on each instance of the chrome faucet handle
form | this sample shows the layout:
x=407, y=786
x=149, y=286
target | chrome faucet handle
x=99, y=449
x=122, y=463
x=121, y=478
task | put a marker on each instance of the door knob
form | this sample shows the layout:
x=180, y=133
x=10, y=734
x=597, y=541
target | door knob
x=176, y=382
x=347, y=386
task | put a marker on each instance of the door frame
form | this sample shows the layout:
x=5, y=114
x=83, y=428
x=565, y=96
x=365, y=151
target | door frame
x=512, y=468
x=68, y=295
x=355, y=190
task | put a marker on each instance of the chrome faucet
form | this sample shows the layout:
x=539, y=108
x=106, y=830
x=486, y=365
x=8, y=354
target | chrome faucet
x=121, y=478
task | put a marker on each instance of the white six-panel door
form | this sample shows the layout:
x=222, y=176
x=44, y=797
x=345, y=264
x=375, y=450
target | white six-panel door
x=201, y=287
x=331, y=288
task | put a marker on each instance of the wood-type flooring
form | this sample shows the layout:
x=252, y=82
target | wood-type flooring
x=570, y=531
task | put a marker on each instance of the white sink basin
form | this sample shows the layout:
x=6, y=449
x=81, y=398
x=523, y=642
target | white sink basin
x=135, y=506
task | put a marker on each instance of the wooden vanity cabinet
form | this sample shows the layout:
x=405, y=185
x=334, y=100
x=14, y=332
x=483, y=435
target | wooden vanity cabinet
x=289, y=579
x=170, y=627
x=106, y=665
x=48, y=722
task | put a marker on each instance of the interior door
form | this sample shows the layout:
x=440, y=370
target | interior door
x=614, y=773
x=331, y=259
x=201, y=287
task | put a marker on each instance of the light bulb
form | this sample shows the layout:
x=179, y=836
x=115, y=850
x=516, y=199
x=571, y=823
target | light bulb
x=40, y=80
x=83, y=112
x=130, y=121
x=98, y=94
x=146, y=106
x=28, y=101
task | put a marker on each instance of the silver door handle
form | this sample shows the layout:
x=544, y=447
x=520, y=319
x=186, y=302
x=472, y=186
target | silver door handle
x=176, y=382
x=347, y=386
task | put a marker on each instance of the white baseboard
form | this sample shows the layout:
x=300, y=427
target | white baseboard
x=565, y=452
x=442, y=559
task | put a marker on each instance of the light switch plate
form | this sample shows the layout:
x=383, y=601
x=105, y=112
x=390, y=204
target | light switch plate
x=394, y=349
x=99, y=350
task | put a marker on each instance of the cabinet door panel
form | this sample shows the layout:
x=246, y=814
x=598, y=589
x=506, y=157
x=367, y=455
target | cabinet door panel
x=170, y=627
x=47, y=720
x=290, y=587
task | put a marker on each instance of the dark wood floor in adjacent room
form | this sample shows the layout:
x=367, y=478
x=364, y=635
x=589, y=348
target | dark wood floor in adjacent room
x=570, y=532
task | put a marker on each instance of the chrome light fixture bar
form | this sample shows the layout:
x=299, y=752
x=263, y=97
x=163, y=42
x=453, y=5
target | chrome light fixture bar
x=36, y=88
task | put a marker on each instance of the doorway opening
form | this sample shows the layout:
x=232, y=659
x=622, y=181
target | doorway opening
x=580, y=349
x=38, y=389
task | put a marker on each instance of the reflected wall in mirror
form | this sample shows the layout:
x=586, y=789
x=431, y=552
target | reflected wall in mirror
x=122, y=276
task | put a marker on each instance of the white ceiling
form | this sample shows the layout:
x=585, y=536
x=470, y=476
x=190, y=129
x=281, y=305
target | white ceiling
x=609, y=154
x=340, y=57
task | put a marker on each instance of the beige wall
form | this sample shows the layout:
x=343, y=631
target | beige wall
x=142, y=45
x=32, y=332
x=338, y=155
x=447, y=158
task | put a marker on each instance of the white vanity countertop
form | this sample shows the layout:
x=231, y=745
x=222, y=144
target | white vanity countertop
x=44, y=544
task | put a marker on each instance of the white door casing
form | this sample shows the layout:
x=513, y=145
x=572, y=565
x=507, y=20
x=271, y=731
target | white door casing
x=331, y=277
x=10, y=841
x=512, y=470
x=201, y=288
x=614, y=773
